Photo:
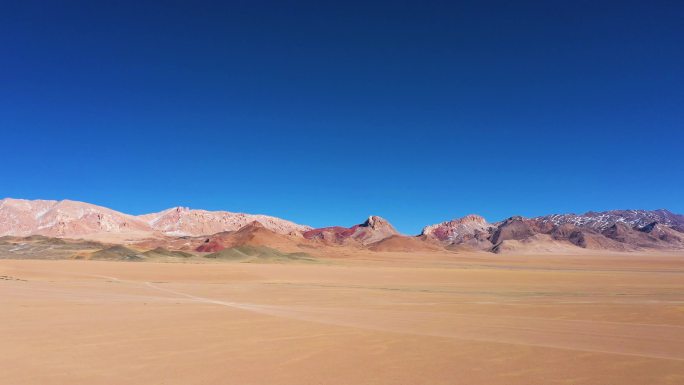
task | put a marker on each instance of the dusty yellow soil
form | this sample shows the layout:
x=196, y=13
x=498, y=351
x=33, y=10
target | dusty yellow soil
x=376, y=319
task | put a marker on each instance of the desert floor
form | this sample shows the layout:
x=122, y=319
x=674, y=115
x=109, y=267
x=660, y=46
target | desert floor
x=372, y=319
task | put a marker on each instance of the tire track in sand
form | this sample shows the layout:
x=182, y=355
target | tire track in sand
x=640, y=340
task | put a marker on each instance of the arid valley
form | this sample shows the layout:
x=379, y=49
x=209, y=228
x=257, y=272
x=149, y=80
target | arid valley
x=357, y=318
x=93, y=296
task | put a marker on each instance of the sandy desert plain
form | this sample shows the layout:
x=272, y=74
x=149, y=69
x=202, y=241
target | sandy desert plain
x=352, y=318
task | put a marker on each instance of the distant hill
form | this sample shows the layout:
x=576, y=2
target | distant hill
x=179, y=233
x=374, y=229
x=72, y=219
x=618, y=230
x=117, y=253
x=259, y=254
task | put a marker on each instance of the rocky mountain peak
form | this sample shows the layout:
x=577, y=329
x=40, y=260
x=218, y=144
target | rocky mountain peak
x=473, y=218
x=471, y=230
x=378, y=223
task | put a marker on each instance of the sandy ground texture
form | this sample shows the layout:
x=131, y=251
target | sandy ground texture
x=379, y=319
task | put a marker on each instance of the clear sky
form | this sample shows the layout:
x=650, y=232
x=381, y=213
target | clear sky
x=324, y=114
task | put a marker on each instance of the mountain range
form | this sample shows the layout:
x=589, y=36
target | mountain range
x=199, y=231
x=72, y=219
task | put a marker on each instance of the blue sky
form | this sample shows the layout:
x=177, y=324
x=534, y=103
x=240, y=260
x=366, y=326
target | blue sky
x=325, y=114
